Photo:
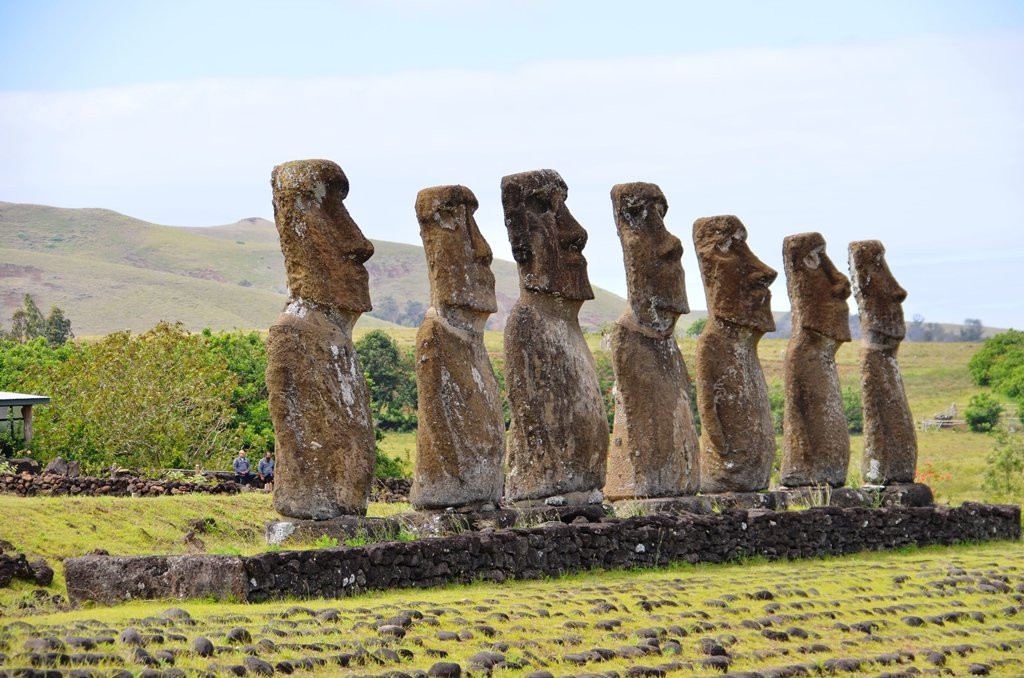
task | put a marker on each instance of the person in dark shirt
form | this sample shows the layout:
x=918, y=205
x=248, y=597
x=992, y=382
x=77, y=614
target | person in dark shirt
x=266, y=468
x=243, y=470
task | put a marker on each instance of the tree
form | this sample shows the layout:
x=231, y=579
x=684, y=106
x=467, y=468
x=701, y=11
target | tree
x=999, y=363
x=155, y=400
x=58, y=328
x=982, y=413
x=28, y=321
x=696, y=327
x=245, y=354
x=971, y=331
x=391, y=379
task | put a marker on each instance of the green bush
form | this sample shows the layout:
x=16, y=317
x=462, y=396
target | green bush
x=245, y=354
x=155, y=400
x=853, y=410
x=999, y=363
x=17, y=358
x=1004, y=470
x=391, y=379
x=982, y=413
x=777, y=402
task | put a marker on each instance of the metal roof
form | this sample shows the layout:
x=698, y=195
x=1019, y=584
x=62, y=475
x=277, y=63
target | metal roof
x=8, y=399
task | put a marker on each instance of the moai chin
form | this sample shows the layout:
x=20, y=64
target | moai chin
x=317, y=396
x=558, y=438
x=816, y=440
x=654, y=451
x=890, y=441
x=460, y=441
x=737, y=443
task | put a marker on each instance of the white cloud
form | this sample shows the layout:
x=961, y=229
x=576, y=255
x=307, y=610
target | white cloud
x=919, y=143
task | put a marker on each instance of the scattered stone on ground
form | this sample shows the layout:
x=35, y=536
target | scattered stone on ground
x=959, y=611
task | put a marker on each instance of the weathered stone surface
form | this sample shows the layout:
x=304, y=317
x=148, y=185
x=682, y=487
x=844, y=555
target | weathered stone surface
x=558, y=438
x=768, y=501
x=654, y=451
x=341, y=528
x=58, y=466
x=460, y=441
x=318, y=399
x=816, y=440
x=115, y=579
x=737, y=443
x=664, y=505
x=890, y=440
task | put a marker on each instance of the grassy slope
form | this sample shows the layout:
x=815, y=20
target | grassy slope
x=109, y=272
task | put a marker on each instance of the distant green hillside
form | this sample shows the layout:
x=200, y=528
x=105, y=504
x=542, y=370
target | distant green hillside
x=109, y=272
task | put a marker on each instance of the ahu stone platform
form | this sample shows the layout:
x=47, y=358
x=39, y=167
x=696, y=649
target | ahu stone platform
x=552, y=549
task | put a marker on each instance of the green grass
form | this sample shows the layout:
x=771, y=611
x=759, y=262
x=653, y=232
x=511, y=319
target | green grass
x=539, y=624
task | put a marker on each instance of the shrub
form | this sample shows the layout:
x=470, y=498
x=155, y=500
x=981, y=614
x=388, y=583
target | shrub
x=982, y=413
x=999, y=363
x=155, y=400
x=1004, y=470
x=853, y=410
x=696, y=327
x=245, y=354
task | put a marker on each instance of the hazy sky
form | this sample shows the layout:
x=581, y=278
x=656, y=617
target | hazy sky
x=896, y=120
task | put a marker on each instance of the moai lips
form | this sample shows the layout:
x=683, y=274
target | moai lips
x=317, y=396
x=654, y=451
x=737, y=444
x=890, y=439
x=558, y=438
x=816, y=440
x=460, y=440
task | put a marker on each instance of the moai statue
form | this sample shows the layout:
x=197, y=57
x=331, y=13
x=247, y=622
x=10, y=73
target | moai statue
x=558, y=439
x=460, y=442
x=816, y=441
x=318, y=398
x=654, y=441
x=737, y=443
x=890, y=441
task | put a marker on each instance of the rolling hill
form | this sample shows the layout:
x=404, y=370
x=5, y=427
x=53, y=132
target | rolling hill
x=111, y=272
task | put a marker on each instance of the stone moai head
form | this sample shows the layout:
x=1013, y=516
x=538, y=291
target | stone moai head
x=324, y=250
x=652, y=255
x=735, y=281
x=817, y=290
x=547, y=242
x=458, y=257
x=879, y=296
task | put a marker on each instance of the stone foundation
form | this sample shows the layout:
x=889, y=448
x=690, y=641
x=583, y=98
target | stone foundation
x=551, y=550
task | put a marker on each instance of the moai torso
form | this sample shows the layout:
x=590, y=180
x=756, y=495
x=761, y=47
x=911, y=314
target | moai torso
x=654, y=449
x=890, y=439
x=460, y=440
x=558, y=438
x=737, y=443
x=317, y=396
x=816, y=439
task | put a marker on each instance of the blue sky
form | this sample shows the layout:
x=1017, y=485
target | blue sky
x=902, y=121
